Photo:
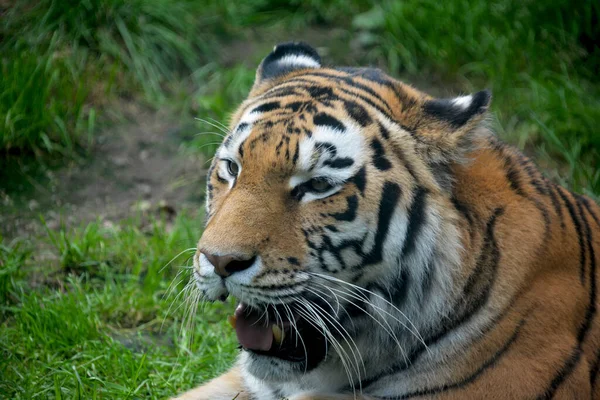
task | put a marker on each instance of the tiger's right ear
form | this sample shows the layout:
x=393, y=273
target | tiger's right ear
x=285, y=58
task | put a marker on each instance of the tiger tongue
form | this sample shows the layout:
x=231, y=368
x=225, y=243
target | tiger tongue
x=251, y=332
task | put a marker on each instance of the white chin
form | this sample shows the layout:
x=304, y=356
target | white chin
x=270, y=369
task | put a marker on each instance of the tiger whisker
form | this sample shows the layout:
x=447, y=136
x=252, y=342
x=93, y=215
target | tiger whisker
x=292, y=320
x=225, y=127
x=170, y=290
x=337, y=300
x=313, y=319
x=219, y=134
x=345, y=335
x=393, y=306
x=215, y=124
x=344, y=357
x=389, y=330
x=187, y=319
x=208, y=144
x=175, y=258
x=185, y=292
x=171, y=287
x=377, y=308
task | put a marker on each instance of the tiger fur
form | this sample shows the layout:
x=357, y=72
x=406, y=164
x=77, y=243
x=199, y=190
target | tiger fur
x=417, y=255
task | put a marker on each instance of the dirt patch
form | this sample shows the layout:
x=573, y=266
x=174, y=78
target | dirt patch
x=139, y=166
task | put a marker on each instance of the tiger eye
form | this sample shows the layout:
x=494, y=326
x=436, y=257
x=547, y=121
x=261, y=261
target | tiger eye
x=319, y=185
x=233, y=168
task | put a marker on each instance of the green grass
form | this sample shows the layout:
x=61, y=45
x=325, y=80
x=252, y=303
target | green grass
x=90, y=313
x=42, y=103
x=60, y=59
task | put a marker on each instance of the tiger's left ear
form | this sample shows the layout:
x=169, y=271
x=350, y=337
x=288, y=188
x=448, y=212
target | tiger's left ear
x=447, y=128
x=285, y=58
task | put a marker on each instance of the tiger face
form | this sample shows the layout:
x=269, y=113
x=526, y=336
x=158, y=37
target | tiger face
x=327, y=216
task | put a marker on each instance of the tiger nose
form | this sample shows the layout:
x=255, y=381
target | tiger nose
x=229, y=264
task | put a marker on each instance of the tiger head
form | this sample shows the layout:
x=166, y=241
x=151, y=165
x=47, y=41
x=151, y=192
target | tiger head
x=330, y=217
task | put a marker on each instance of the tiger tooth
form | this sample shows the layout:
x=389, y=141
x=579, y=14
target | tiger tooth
x=231, y=319
x=277, y=334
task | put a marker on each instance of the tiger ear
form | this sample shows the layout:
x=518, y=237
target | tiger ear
x=448, y=127
x=285, y=58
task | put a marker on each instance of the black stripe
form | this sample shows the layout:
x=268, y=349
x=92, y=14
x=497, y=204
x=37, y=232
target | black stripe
x=296, y=153
x=556, y=204
x=427, y=280
x=397, y=291
x=535, y=178
x=360, y=180
x=293, y=261
x=353, y=95
x=464, y=210
x=595, y=367
x=416, y=220
x=266, y=107
x=512, y=175
x=469, y=379
x=587, y=233
x=584, y=328
x=353, y=84
x=326, y=146
x=295, y=106
x=514, y=178
x=358, y=113
x=241, y=149
x=241, y=127
x=221, y=180
x=379, y=159
x=470, y=303
x=387, y=205
x=399, y=153
x=365, y=99
x=350, y=212
x=538, y=182
x=545, y=215
x=324, y=119
x=479, y=284
x=228, y=140
x=384, y=132
x=377, y=76
x=323, y=93
x=339, y=163
x=588, y=207
x=280, y=91
x=578, y=230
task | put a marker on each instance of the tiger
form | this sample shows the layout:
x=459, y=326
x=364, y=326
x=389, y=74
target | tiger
x=386, y=244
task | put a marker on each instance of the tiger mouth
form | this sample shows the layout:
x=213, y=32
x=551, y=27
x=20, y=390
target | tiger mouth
x=279, y=332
